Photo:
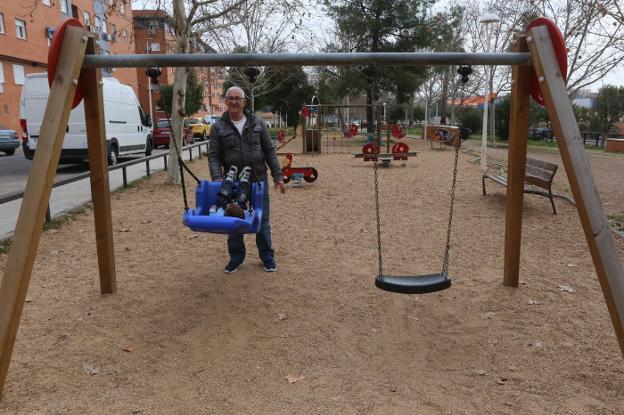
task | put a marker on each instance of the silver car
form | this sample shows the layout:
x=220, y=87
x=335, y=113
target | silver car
x=9, y=140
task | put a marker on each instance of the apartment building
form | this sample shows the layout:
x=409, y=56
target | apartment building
x=154, y=33
x=26, y=30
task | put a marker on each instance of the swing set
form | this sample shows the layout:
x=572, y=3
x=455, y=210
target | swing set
x=537, y=60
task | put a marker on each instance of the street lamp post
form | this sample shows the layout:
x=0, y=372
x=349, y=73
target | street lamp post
x=149, y=87
x=487, y=19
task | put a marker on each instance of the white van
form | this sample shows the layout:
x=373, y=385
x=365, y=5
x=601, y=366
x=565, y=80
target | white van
x=127, y=127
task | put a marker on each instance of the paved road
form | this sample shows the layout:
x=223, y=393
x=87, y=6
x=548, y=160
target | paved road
x=14, y=174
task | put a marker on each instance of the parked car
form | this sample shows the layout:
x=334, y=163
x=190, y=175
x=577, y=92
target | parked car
x=127, y=127
x=8, y=140
x=199, y=127
x=211, y=119
x=543, y=133
x=268, y=124
x=162, y=133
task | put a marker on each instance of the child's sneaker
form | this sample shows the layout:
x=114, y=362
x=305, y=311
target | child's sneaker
x=244, y=188
x=226, y=192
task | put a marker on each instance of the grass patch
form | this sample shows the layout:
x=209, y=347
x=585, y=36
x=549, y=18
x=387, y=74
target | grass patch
x=5, y=246
x=617, y=221
x=133, y=184
x=70, y=215
x=56, y=223
x=532, y=143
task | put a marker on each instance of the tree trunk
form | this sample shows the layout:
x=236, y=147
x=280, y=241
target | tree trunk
x=370, y=121
x=179, y=94
x=492, y=108
x=443, y=103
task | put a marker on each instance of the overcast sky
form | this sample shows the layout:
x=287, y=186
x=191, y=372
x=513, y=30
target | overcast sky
x=321, y=26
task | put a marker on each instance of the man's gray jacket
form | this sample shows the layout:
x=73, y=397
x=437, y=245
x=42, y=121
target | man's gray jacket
x=254, y=148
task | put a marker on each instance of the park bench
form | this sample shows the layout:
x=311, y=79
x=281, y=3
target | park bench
x=537, y=174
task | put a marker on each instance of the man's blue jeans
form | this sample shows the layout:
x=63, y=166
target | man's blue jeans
x=236, y=243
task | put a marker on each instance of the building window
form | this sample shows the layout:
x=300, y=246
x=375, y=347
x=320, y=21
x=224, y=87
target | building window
x=124, y=35
x=98, y=23
x=18, y=74
x=46, y=2
x=154, y=47
x=2, y=24
x=1, y=78
x=20, y=28
x=113, y=32
x=104, y=26
x=64, y=7
x=87, y=19
x=122, y=7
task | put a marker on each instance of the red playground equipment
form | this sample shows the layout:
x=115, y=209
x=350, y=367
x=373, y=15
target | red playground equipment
x=280, y=135
x=309, y=173
x=397, y=132
x=352, y=131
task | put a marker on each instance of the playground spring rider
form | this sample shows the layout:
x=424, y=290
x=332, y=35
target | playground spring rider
x=397, y=131
x=352, y=131
x=309, y=173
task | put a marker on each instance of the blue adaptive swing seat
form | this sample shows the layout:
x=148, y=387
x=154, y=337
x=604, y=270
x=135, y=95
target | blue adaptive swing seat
x=198, y=219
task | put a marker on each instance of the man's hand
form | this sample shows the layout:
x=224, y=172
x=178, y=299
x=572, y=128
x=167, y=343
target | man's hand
x=281, y=186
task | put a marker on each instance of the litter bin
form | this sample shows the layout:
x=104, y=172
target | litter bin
x=312, y=141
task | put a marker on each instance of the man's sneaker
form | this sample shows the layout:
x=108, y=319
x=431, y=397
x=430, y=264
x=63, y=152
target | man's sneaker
x=270, y=266
x=231, y=267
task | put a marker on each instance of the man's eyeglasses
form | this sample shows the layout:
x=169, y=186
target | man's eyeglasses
x=234, y=98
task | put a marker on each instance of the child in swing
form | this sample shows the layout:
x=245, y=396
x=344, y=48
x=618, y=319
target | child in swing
x=231, y=202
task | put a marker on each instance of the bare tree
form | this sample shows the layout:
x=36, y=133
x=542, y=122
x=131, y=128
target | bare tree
x=593, y=31
x=268, y=26
x=189, y=15
x=495, y=37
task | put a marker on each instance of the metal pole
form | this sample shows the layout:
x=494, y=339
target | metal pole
x=149, y=89
x=424, y=131
x=305, y=59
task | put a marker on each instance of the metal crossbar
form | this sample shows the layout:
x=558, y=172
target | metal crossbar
x=306, y=59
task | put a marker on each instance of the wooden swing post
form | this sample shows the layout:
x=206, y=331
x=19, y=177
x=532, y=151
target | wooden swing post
x=518, y=132
x=578, y=170
x=29, y=227
x=98, y=165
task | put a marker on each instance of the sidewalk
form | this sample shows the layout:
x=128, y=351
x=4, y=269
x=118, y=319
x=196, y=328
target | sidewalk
x=73, y=195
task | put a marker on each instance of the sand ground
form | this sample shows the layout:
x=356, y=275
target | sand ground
x=316, y=337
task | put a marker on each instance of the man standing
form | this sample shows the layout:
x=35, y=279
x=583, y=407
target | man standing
x=241, y=139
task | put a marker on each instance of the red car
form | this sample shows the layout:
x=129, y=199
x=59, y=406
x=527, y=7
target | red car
x=162, y=133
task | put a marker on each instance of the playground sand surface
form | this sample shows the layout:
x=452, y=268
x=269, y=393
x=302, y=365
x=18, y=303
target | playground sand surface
x=316, y=337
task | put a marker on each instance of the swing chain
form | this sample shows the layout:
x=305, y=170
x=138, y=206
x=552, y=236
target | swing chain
x=378, y=216
x=445, y=262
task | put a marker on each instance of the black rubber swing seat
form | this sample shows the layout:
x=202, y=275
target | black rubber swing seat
x=413, y=284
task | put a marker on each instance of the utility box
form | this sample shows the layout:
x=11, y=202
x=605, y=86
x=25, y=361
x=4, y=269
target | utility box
x=615, y=145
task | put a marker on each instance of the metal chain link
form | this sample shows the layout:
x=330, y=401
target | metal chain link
x=378, y=216
x=445, y=262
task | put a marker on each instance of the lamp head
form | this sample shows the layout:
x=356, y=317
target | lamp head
x=464, y=71
x=252, y=73
x=489, y=18
x=153, y=73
